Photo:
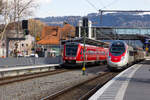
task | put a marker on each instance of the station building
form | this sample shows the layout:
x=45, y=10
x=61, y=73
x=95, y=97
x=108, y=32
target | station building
x=133, y=36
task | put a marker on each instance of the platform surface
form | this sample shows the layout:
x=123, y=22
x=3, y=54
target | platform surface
x=131, y=84
x=2, y=69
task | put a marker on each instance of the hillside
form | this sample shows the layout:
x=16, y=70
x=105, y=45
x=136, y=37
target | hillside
x=110, y=19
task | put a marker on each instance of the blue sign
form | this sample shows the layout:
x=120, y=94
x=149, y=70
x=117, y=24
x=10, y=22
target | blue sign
x=147, y=41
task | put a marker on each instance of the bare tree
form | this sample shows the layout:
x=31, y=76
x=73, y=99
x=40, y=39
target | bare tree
x=1, y=6
x=16, y=10
x=21, y=9
x=5, y=12
x=13, y=11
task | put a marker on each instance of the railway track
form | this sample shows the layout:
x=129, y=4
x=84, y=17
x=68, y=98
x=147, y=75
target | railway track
x=8, y=80
x=83, y=90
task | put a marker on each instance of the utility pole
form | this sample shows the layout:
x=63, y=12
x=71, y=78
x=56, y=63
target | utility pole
x=101, y=15
x=34, y=22
x=60, y=35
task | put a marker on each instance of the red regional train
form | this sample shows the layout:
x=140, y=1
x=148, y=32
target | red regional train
x=121, y=55
x=73, y=54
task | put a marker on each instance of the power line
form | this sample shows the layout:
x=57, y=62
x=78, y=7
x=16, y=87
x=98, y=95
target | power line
x=102, y=4
x=92, y=5
x=139, y=11
x=111, y=3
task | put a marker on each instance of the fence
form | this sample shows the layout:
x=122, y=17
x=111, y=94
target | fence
x=20, y=61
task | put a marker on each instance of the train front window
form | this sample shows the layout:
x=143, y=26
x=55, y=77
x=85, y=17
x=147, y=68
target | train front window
x=71, y=50
x=117, y=48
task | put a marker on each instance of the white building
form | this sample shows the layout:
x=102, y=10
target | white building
x=23, y=46
x=88, y=29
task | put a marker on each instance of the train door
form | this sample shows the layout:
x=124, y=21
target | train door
x=81, y=57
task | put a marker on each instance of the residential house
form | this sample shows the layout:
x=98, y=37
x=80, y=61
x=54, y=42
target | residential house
x=51, y=36
x=21, y=47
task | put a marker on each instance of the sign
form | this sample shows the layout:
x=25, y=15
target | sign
x=147, y=41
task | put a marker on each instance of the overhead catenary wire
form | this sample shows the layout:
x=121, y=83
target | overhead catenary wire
x=101, y=3
x=110, y=4
x=92, y=5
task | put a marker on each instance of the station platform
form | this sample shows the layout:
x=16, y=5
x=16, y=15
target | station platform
x=131, y=84
x=20, y=70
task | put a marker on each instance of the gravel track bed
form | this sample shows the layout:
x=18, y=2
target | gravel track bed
x=37, y=88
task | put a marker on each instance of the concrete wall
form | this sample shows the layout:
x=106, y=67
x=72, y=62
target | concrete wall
x=12, y=62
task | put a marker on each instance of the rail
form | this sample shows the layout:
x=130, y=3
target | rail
x=8, y=80
x=82, y=90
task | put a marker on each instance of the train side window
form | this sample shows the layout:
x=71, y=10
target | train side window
x=90, y=52
x=103, y=52
x=131, y=53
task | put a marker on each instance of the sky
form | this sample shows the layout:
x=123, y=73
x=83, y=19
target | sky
x=82, y=7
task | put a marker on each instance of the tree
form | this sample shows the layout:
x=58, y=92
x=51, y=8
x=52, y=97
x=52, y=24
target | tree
x=15, y=10
x=1, y=6
x=21, y=9
x=35, y=27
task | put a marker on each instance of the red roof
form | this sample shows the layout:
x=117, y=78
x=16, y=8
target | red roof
x=52, y=34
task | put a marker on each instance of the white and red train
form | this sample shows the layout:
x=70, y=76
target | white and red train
x=73, y=54
x=121, y=55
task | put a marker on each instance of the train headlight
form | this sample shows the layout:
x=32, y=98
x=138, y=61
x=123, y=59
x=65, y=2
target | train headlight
x=122, y=58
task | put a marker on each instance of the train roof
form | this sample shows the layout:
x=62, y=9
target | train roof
x=87, y=41
x=129, y=45
x=80, y=44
